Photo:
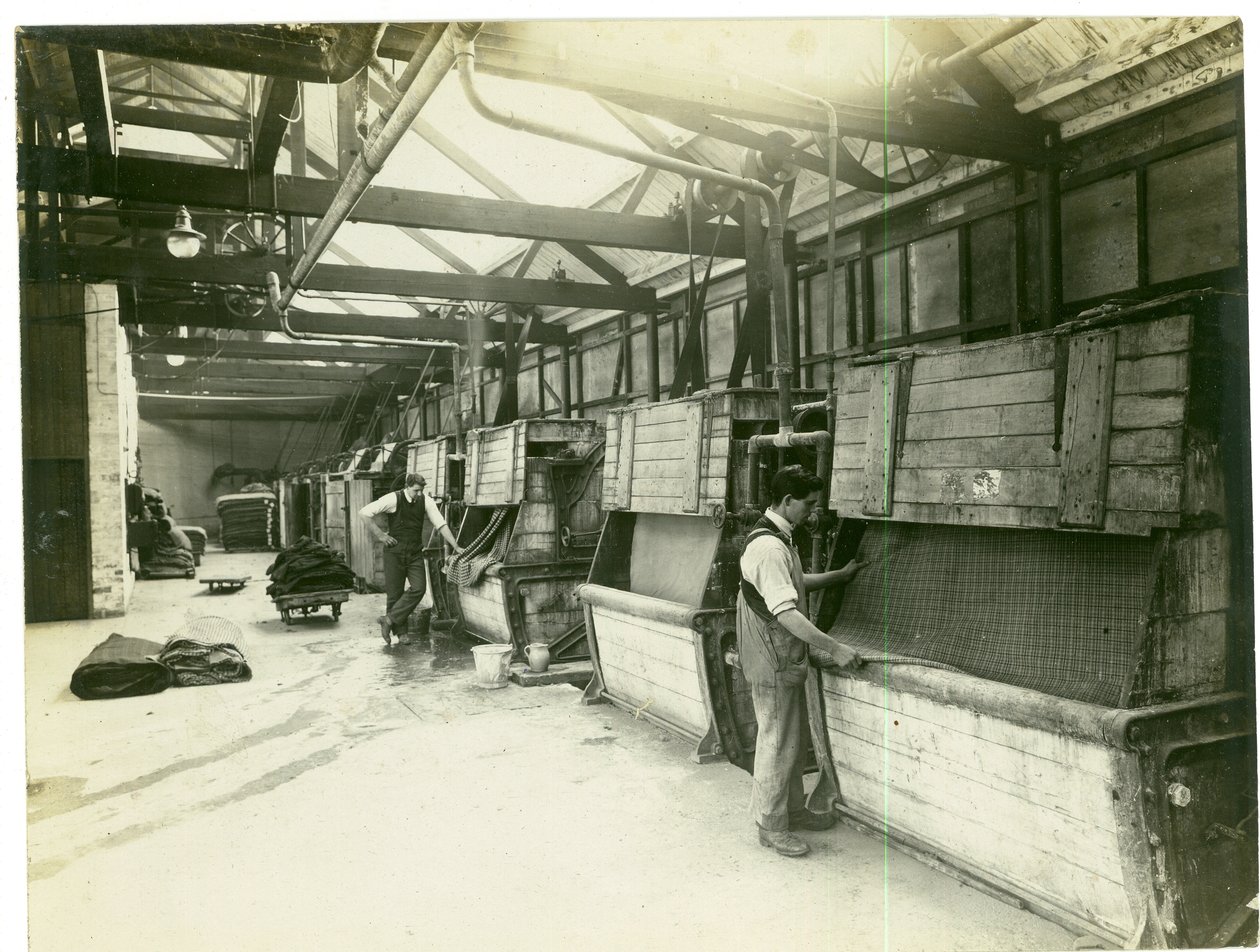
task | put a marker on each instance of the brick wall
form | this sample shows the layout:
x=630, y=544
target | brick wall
x=112, y=435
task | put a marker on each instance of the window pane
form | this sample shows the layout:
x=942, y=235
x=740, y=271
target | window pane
x=934, y=282
x=527, y=391
x=886, y=286
x=1192, y=212
x=993, y=269
x=553, y=373
x=818, y=311
x=1100, y=238
x=638, y=361
x=598, y=365
x=665, y=352
x=719, y=333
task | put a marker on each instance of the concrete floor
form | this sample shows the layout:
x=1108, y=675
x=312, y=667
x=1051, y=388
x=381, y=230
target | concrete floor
x=354, y=797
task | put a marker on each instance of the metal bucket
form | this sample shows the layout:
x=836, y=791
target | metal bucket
x=492, y=662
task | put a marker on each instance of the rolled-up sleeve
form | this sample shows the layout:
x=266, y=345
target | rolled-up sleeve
x=386, y=504
x=436, y=519
x=767, y=565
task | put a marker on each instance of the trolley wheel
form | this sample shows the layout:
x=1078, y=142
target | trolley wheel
x=336, y=609
x=284, y=615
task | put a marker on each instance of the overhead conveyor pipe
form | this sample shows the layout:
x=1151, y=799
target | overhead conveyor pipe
x=465, y=56
x=933, y=70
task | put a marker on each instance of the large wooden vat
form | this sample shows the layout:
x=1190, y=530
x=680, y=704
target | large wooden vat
x=1121, y=799
x=532, y=489
x=677, y=492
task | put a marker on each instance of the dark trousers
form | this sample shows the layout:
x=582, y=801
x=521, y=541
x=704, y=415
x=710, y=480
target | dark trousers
x=404, y=566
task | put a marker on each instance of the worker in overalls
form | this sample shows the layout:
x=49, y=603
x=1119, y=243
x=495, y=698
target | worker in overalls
x=774, y=637
x=407, y=509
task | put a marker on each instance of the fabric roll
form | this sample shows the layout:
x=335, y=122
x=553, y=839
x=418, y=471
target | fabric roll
x=121, y=667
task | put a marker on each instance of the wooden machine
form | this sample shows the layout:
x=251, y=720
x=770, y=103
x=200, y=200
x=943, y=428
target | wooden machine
x=1057, y=616
x=679, y=494
x=530, y=524
x=441, y=464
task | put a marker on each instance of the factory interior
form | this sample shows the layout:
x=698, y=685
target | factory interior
x=590, y=288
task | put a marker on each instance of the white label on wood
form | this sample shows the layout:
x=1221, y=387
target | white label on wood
x=692, y=457
x=881, y=439
x=1086, y=438
x=625, y=461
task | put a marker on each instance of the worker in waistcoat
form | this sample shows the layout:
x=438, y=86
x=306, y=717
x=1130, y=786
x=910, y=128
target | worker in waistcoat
x=774, y=636
x=403, y=538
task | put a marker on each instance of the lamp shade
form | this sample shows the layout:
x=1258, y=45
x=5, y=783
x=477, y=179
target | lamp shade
x=183, y=241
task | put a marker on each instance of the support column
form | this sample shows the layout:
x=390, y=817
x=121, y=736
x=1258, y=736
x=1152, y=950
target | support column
x=1050, y=226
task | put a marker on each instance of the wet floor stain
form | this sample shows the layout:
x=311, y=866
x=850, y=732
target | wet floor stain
x=50, y=796
x=596, y=741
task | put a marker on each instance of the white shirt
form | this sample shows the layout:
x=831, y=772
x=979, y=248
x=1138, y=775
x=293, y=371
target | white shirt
x=388, y=504
x=767, y=565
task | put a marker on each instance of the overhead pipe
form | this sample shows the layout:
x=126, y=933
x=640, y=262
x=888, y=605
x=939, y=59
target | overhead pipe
x=465, y=56
x=931, y=70
x=424, y=72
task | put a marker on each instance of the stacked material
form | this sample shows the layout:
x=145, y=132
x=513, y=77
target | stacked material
x=308, y=566
x=489, y=548
x=170, y=556
x=197, y=537
x=248, y=520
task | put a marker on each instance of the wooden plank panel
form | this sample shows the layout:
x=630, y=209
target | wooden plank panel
x=1025, y=419
x=1087, y=430
x=1131, y=412
x=691, y=459
x=1147, y=446
x=674, y=450
x=960, y=487
x=1165, y=336
x=982, y=452
x=881, y=439
x=1153, y=374
x=999, y=390
x=1145, y=488
x=625, y=466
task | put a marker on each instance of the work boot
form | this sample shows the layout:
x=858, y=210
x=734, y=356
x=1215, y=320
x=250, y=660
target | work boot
x=383, y=621
x=784, y=843
x=809, y=820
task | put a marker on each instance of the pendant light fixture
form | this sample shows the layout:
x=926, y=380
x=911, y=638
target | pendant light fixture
x=183, y=241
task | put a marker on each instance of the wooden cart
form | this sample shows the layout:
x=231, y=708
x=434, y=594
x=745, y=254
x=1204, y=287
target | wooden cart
x=307, y=602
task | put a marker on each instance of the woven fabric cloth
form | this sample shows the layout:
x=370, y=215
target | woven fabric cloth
x=206, y=650
x=1056, y=612
x=489, y=548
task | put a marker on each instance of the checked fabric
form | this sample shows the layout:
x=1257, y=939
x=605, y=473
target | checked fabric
x=1056, y=612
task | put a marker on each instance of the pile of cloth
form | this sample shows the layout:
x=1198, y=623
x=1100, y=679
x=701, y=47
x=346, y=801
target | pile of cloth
x=248, y=520
x=170, y=556
x=203, y=651
x=197, y=538
x=308, y=566
x=489, y=548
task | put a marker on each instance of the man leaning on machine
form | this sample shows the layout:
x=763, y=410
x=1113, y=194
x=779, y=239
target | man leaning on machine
x=403, y=537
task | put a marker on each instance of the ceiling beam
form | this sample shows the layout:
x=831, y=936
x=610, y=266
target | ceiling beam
x=90, y=85
x=156, y=368
x=1116, y=58
x=204, y=348
x=242, y=387
x=500, y=189
x=131, y=264
x=279, y=99
x=135, y=178
x=169, y=119
x=864, y=115
x=213, y=314
x=154, y=407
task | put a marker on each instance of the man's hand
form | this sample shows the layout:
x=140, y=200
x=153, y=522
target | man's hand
x=457, y=549
x=388, y=540
x=849, y=571
x=846, y=657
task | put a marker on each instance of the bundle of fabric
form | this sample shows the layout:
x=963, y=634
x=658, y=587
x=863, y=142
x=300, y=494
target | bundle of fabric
x=248, y=520
x=206, y=651
x=168, y=556
x=308, y=566
x=197, y=538
x=121, y=667
x=489, y=548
